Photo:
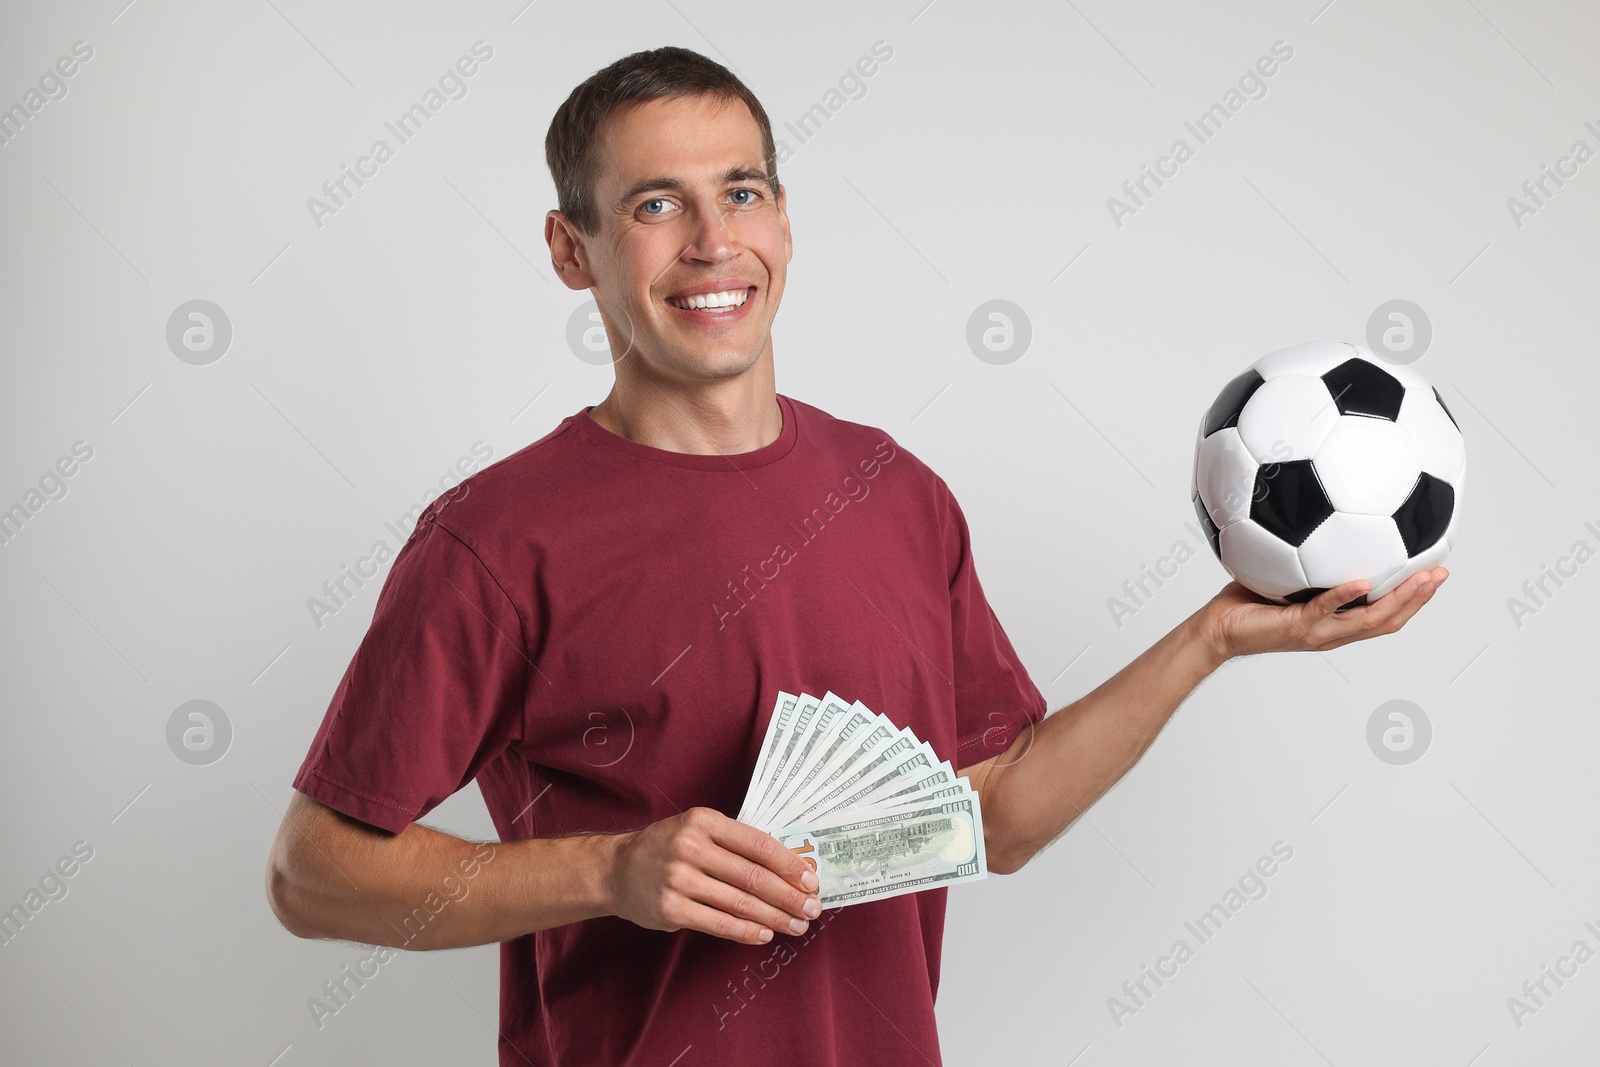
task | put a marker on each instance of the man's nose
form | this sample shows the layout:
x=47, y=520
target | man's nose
x=711, y=237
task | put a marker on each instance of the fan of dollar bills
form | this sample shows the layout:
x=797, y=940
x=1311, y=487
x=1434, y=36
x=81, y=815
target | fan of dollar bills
x=865, y=802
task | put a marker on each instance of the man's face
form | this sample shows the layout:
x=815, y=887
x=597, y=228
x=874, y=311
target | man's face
x=683, y=209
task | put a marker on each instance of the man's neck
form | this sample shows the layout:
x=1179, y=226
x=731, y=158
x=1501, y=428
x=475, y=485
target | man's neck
x=707, y=418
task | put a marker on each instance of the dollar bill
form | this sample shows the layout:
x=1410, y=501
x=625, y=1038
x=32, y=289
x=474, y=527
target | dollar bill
x=793, y=728
x=880, y=778
x=867, y=803
x=777, y=723
x=941, y=783
x=843, y=741
x=902, y=851
x=810, y=730
x=878, y=735
x=882, y=756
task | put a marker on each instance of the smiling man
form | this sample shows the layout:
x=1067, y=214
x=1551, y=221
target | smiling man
x=596, y=628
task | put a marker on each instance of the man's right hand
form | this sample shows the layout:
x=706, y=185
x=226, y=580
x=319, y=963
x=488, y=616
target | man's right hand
x=701, y=870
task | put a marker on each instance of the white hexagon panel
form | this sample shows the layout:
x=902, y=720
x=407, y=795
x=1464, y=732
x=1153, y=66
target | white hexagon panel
x=1272, y=564
x=1287, y=418
x=1359, y=470
x=1367, y=466
x=1433, y=433
x=1229, y=476
x=1347, y=547
x=1312, y=359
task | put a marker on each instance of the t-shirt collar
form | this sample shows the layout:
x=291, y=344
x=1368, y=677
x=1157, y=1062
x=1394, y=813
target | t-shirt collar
x=780, y=447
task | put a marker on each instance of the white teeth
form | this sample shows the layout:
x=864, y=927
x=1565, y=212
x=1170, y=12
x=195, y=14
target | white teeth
x=731, y=298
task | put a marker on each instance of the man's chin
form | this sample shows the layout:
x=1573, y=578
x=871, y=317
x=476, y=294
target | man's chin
x=702, y=367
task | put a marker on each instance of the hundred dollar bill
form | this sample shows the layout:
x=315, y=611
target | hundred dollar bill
x=898, y=789
x=941, y=783
x=843, y=739
x=873, y=764
x=811, y=728
x=867, y=742
x=926, y=796
x=782, y=710
x=920, y=761
x=901, y=851
x=787, y=738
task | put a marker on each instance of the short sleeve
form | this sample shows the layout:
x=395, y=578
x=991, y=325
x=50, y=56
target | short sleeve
x=995, y=698
x=435, y=690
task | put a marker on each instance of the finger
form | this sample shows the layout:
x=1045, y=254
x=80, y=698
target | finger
x=1386, y=614
x=733, y=900
x=751, y=877
x=1331, y=600
x=761, y=847
x=1410, y=602
x=689, y=914
x=1320, y=624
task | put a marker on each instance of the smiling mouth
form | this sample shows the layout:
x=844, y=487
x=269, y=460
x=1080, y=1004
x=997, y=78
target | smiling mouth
x=722, y=303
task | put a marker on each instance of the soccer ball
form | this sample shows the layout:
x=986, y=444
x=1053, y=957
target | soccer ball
x=1320, y=465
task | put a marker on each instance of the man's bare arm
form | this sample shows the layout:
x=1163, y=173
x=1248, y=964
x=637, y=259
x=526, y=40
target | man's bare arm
x=331, y=876
x=1056, y=770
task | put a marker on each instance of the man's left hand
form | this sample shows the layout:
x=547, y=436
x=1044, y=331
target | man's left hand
x=1240, y=623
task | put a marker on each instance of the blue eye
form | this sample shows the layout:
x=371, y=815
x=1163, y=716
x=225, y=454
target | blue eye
x=752, y=192
x=657, y=200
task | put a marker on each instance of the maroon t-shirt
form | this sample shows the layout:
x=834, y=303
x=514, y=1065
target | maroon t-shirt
x=597, y=630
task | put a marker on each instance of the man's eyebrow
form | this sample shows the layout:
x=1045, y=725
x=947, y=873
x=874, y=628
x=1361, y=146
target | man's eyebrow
x=739, y=173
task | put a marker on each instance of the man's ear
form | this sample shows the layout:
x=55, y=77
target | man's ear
x=783, y=213
x=567, y=253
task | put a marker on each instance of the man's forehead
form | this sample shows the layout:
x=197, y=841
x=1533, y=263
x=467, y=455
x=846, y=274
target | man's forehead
x=692, y=139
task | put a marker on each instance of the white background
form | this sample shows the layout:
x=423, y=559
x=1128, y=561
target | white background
x=371, y=352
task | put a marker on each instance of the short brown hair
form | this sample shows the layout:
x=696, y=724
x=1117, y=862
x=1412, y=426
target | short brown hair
x=569, y=145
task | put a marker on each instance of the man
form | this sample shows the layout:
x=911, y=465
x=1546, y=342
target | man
x=597, y=626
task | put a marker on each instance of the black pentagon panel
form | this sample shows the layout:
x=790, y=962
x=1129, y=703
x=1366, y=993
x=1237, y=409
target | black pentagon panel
x=1289, y=500
x=1440, y=399
x=1305, y=595
x=1213, y=534
x=1425, y=514
x=1363, y=388
x=1225, y=409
